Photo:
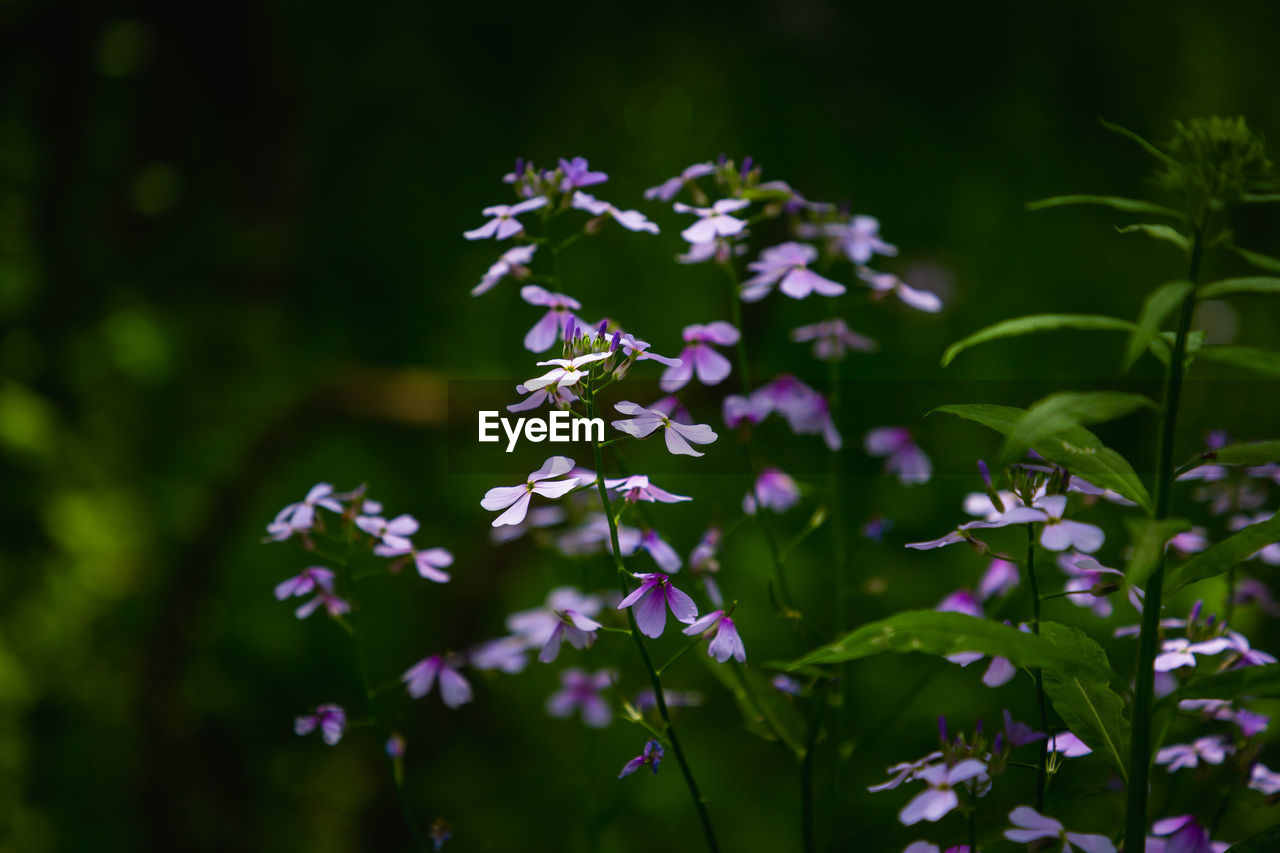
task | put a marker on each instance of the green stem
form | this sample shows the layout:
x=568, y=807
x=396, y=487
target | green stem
x=808, y=836
x=654, y=679
x=1140, y=750
x=1042, y=762
x=687, y=646
x=973, y=830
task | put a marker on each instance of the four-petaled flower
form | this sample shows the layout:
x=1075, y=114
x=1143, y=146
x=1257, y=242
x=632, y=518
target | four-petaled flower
x=330, y=719
x=632, y=220
x=301, y=516
x=787, y=266
x=902, y=456
x=454, y=689
x=1030, y=826
x=638, y=488
x=1211, y=749
x=540, y=482
x=315, y=579
x=774, y=490
x=669, y=188
x=564, y=373
x=578, y=174
x=551, y=327
x=714, y=221
x=651, y=756
x=859, y=238
x=513, y=262
x=698, y=356
x=644, y=421
x=580, y=690
x=936, y=801
x=504, y=223
x=650, y=600
x=832, y=339
x=726, y=643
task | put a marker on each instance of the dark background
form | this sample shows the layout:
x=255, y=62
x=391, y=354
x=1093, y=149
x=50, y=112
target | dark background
x=231, y=266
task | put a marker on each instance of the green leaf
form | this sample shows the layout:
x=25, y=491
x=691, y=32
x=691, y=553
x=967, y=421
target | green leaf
x=1149, y=541
x=944, y=634
x=1261, y=360
x=1246, y=453
x=1160, y=232
x=1036, y=323
x=1159, y=304
x=1090, y=708
x=1259, y=198
x=1266, y=841
x=1258, y=259
x=1230, y=552
x=1251, y=284
x=1127, y=205
x=1058, y=413
x=766, y=711
x=1261, y=681
x=1075, y=449
x=1130, y=135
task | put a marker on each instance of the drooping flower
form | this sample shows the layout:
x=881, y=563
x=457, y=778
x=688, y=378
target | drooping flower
x=726, y=643
x=581, y=691
x=939, y=798
x=300, y=517
x=514, y=262
x=671, y=187
x=651, y=756
x=774, y=489
x=651, y=600
x=786, y=266
x=1182, y=834
x=632, y=220
x=638, y=488
x=330, y=719
x=577, y=174
x=455, y=691
x=540, y=482
x=551, y=327
x=883, y=284
x=698, y=357
x=661, y=551
x=902, y=456
x=1211, y=749
x=504, y=223
x=643, y=422
x=832, y=339
x=564, y=372
x=713, y=221
x=1031, y=826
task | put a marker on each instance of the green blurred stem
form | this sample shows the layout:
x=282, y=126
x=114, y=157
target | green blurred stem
x=973, y=830
x=1042, y=762
x=654, y=679
x=687, y=646
x=1140, y=750
x=808, y=835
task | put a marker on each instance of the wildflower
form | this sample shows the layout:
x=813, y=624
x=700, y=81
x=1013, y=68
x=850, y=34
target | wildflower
x=726, y=643
x=713, y=221
x=859, y=238
x=904, y=458
x=1032, y=826
x=393, y=533
x=638, y=488
x=577, y=174
x=331, y=720
x=581, y=691
x=651, y=756
x=455, y=691
x=650, y=601
x=644, y=421
x=661, y=551
x=554, y=394
x=876, y=527
x=1263, y=779
x=720, y=250
x=1184, y=835
x=504, y=223
x=395, y=746
x=832, y=339
x=698, y=356
x=315, y=579
x=905, y=772
x=1059, y=534
x=429, y=562
x=540, y=482
x=774, y=489
x=1019, y=733
x=632, y=220
x=669, y=188
x=787, y=684
x=514, y=262
x=702, y=561
x=1068, y=744
x=508, y=654
x=1001, y=578
x=884, y=283
x=633, y=347
x=787, y=267
x=1211, y=750
x=1090, y=581
x=1180, y=651
x=565, y=373
x=1252, y=590
x=936, y=801
x=551, y=327
x=301, y=516
x=1191, y=541
x=805, y=410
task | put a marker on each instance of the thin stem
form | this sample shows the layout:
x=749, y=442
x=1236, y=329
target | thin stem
x=973, y=830
x=687, y=646
x=1140, y=749
x=1042, y=762
x=808, y=836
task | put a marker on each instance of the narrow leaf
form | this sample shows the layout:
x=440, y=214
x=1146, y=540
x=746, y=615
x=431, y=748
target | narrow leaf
x=1075, y=449
x=1260, y=360
x=1259, y=198
x=1260, y=681
x=1230, y=552
x=1149, y=541
x=1058, y=413
x=1160, y=232
x=1247, y=453
x=1259, y=260
x=1090, y=708
x=1130, y=135
x=1036, y=323
x=1266, y=841
x=1128, y=205
x=1159, y=304
x=1252, y=284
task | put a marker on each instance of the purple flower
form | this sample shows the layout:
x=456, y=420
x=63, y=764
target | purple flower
x=394, y=533
x=787, y=684
x=299, y=517
x=884, y=283
x=1182, y=834
x=1263, y=779
x=698, y=356
x=551, y=327
x=1059, y=534
x=1018, y=733
x=774, y=489
x=904, y=458
x=564, y=372
x=540, y=482
x=1221, y=709
x=632, y=220
x=454, y=689
x=395, y=746
x=859, y=238
x=832, y=339
x=508, y=654
x=650, y=601
x=787, y=267
x=632, y=346
x=661, y=551
x=644, y=421
x=1068, y=744
x=580, y=691
x=504, y=224
x=713, y=221
x=1190, y=541
x=577, y=174
x=1089, y=581
x=904, y=772
x=315, y=579
x=514, y=262
x=651, y=756
x=726, y=643
x=638, y=488
x=805, y=410
x=1001, y=578
x=557, y=396
x=1211, y=750
x=1031, y=826
x=330, y=719
x=671, y=187
x=1252, y=590
x=936, y=801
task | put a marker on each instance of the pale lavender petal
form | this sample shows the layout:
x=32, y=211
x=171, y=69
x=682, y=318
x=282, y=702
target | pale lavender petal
x=502, y=497
x=676, y=376
x=454, y=689
x=682, y=606
x=932, y=805
x=712, y=367
x=651, y=613
x=544, y=334
x=516, y=513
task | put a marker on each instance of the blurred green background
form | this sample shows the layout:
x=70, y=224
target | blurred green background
x=231, y=266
